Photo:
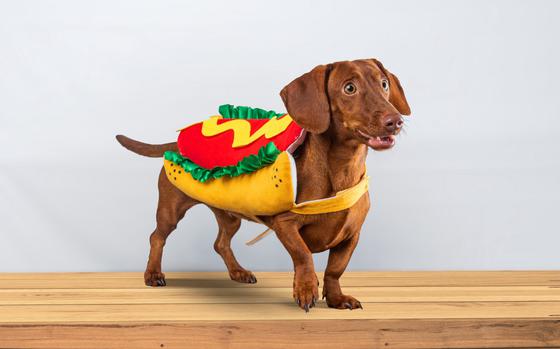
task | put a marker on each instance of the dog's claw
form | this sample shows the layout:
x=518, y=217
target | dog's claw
x=243, y=276
x=342, y=301
x=305, y=291
x=154, y=279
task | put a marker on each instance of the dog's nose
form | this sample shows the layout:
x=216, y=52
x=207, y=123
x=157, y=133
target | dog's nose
x=392, y=122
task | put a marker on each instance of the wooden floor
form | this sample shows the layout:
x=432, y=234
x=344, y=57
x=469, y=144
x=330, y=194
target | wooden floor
x=201, y=310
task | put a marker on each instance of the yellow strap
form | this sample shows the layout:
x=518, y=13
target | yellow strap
x=341, y=201
x=258, y=237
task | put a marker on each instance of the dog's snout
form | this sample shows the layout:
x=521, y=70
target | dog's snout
x=392, y=123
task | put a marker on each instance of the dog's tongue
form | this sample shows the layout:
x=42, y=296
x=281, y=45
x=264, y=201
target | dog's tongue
x=381, y=142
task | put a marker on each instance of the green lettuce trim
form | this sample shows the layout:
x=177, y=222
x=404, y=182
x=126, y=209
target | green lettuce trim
x=266, y=155
x=228, y=111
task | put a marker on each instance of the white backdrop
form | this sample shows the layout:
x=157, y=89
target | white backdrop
x=473, y=184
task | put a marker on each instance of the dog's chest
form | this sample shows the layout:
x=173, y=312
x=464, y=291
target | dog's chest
x=328, y=230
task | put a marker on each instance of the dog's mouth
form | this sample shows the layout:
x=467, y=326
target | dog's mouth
x=378, y=142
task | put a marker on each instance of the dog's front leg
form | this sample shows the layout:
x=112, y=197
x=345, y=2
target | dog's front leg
x=305, y=288
x=339, y=256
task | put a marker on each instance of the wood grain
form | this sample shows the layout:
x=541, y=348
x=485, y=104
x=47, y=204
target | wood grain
x=272, y=311
x=283, y=279
x=320, y=334
x=401, y=310
x=274, y=295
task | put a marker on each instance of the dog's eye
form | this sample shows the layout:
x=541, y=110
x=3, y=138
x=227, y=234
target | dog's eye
x=385, y=84
x=350, y=88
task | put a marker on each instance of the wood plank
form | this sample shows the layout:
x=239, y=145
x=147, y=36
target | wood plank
x=554, y=274
x=217, y=280
x=401, y=310
x=320, y=334
x=539, y=276
x=165, y=295
x=124, y=313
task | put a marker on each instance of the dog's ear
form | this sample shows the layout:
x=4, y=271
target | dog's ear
x=306, y=100
x=396, y=92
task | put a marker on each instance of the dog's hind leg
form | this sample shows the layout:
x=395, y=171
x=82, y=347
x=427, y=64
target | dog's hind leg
x=228, y=225
x=172, y=206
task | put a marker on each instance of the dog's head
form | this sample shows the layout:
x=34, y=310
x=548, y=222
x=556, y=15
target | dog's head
x=358, y=100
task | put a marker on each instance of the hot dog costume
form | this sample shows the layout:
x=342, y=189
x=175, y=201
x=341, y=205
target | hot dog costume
x=241, y=161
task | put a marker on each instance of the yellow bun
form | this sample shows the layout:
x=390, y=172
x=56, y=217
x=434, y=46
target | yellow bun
x=268, y=191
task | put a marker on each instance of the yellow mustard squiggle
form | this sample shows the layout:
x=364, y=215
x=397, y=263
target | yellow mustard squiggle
x=242, y=129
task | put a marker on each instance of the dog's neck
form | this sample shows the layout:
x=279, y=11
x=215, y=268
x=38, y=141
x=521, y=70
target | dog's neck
x=328, y=164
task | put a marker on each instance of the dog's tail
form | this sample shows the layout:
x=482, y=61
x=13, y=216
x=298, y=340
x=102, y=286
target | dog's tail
x=145, y=149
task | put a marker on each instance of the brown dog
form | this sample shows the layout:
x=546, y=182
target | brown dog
x=345, y=107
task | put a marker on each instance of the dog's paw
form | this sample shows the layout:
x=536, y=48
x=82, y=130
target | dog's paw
x=343, y=301
x=154, y=279
x=243, y=276
x=306, y=291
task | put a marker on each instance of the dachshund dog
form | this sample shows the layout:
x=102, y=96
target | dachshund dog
x=345, y=107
